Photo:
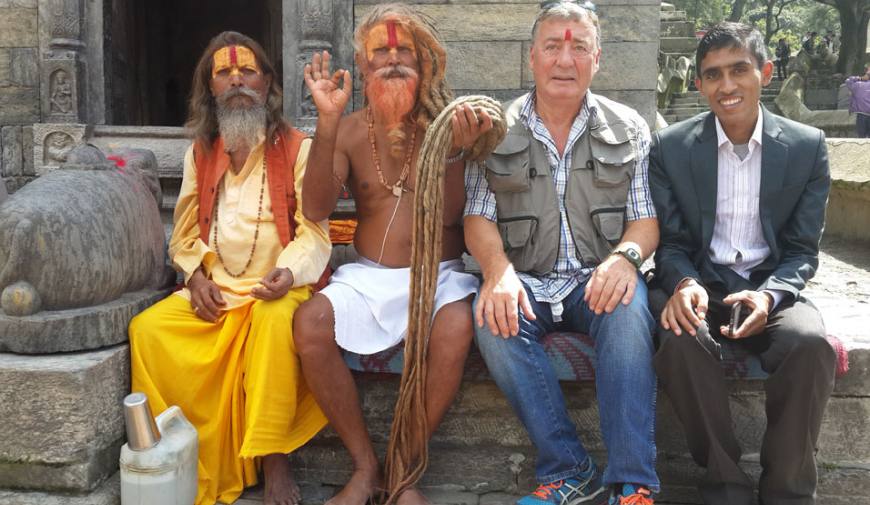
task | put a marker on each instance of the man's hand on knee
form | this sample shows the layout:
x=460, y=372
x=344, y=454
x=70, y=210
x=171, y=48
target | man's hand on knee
x=274, y=285
x=205, y=297
x=498, y=302
x=686, y=309
x=614, y=280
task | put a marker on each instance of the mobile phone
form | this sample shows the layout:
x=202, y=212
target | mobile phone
x=736, y=310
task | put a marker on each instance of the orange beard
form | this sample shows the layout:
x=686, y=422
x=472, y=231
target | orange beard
x=392, y=93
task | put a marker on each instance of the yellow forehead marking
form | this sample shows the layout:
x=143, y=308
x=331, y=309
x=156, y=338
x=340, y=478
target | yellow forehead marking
x=391, y=35
x=235, y=59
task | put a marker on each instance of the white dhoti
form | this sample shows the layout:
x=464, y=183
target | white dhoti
x=370, y=301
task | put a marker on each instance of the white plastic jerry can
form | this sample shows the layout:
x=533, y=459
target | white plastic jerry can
x=159, y=460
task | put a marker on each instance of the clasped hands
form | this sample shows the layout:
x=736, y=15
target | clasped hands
x=687, y=308
x=206, y=299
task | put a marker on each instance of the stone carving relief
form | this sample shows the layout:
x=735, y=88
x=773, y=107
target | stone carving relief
x=57, y=146
x=61, y=93
x=307, y=106
x=65, y=16
x=317, y=20
x=52, y=143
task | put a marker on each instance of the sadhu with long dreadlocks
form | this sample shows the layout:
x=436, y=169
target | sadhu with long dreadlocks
x=375, y=152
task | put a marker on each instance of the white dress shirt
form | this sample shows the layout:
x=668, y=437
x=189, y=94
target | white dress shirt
x=738, y=241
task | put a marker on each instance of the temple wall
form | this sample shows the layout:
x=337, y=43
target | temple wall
x=19, y=88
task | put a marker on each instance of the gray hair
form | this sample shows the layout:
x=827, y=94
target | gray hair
x=571, y=11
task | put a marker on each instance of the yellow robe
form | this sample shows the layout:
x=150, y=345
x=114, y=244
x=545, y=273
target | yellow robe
x=237, y=380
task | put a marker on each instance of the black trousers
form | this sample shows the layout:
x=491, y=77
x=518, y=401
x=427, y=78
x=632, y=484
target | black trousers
x=801, y=364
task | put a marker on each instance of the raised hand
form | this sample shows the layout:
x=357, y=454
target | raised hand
x=329, y=93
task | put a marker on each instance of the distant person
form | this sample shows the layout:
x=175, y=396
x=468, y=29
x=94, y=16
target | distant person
x=808, y=41
x=828, y=40
x=783, y=52
x=859, y=86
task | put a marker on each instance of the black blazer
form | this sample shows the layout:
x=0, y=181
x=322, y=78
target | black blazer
x=795, y=181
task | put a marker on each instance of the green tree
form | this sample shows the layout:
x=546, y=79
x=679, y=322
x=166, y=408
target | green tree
x=854, y=18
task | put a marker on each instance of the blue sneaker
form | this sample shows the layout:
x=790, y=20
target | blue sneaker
x=631, y=495
x=574, y=491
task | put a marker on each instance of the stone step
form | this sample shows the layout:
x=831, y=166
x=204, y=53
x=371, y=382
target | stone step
x=678, y=44
x=677, y=29
x=674, y=15
x=62, y=418
x=688, y=102
x=482, y=448
x=108, y=493
x=687, y=111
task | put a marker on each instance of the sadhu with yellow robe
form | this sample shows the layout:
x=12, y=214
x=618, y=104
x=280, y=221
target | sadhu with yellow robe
x=222, y=347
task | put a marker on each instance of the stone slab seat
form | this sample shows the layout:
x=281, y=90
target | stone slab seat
x=572, y=354
x=573, y=357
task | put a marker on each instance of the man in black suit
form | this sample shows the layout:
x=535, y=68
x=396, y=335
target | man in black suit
x=741, y=194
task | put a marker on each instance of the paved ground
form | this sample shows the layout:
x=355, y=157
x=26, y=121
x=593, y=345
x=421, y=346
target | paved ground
x=841, y=290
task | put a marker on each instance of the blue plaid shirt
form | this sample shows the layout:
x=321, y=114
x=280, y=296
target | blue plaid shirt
x=569, y=271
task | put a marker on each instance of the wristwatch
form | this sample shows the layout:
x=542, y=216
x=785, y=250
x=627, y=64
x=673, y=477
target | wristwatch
x=632, y=255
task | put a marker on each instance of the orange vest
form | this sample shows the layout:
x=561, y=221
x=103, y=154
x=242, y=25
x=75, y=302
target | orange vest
x=280, y=159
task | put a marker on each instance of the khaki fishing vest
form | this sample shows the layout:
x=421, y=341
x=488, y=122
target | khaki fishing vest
x=600, y=172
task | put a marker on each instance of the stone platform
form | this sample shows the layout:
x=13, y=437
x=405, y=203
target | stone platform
x=481, y=455
x=63, y=424
x=75, y=329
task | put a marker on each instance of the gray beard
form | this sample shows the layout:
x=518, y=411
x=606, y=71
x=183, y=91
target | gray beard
x=240, y=128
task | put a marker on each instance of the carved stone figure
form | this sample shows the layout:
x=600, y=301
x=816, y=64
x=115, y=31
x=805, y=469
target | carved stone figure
x=57, y=146
x=61, y=93
x=84, y=236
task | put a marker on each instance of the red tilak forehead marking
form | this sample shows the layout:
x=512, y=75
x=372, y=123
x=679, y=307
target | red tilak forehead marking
x=568, y=35
x=234, y=61
x=392, y=39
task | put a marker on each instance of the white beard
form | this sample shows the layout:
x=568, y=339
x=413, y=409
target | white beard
x=241, y=127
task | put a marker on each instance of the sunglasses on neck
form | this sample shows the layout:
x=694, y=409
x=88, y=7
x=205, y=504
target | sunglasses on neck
x=586, y=4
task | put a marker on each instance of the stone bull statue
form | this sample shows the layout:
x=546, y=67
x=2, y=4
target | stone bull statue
x=81, y=236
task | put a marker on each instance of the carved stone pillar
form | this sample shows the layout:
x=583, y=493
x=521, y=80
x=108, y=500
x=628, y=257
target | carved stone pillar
x=63, y=97
x=312, y=26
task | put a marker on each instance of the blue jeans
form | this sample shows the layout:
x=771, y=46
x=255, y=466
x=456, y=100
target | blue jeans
x=862, y=124
x=624, y=378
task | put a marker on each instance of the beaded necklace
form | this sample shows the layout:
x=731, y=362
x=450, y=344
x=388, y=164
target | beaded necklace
x=399, y=185
x=217, y=247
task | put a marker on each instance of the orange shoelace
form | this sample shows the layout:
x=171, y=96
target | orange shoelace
x=545, y=490
x=641, y=497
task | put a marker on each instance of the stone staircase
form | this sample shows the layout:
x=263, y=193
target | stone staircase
x=678, y=40
x=686, y=105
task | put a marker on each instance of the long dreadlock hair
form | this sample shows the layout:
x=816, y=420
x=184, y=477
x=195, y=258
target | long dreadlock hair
x=433, y=93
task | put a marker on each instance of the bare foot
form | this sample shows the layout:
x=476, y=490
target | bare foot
x=280, y=488
x=359, y=488
x=412, y=496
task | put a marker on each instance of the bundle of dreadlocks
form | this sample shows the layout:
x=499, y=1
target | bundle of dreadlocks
x=407, y=453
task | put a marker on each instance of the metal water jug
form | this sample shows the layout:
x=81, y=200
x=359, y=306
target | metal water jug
x=159, y=460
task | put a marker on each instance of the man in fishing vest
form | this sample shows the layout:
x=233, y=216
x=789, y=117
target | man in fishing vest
x=560, y=219
x=374, y=151
x=221, y=348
